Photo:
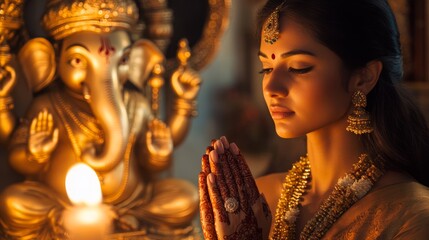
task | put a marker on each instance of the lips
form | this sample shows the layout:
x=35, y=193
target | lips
x=280, y=112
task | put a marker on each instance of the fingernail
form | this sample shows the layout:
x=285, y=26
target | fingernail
x=209, y=149
x=224, y=142
x=211, y=178
x=213, y=156
x=234, y=149
x=219, y=147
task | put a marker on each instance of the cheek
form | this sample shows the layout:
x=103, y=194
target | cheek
x=326, y=99
x=72, y=77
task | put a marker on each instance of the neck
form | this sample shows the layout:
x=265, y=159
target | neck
x=332, y=151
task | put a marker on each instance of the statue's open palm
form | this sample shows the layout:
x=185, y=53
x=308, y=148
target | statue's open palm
x=158, y=138
x=43, y=137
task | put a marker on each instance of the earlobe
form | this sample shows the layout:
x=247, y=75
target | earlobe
x=366, y=78
x=37, y=57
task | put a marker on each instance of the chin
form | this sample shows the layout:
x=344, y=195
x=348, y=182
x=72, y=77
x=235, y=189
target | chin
x=288, y=133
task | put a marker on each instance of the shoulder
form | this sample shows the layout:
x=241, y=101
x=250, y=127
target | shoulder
x=396, y=211
x=411, y=200
x=40, y=103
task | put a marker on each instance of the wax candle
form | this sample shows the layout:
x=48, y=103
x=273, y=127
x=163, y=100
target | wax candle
x=88, y=218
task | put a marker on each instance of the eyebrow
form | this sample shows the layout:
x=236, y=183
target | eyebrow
x=290, y=53
x=79, y=45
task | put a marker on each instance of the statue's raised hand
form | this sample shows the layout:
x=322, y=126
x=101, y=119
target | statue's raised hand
x=43, y=137
x=7, y=80
x=186, y=83
x=158, y=139
x=230, y=204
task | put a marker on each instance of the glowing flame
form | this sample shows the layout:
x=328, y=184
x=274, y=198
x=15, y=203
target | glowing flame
x=83, y=186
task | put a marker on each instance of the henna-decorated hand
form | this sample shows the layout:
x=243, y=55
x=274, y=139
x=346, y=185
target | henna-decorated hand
x=225, y=176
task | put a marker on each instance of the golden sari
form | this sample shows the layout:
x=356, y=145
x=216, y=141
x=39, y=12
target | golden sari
x=398, y=211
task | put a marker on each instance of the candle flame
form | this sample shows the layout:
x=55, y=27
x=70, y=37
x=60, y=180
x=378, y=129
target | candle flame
x=83, y=186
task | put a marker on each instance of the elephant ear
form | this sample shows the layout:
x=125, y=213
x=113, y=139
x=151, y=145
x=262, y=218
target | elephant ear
x=37, y=58
x=144, y=55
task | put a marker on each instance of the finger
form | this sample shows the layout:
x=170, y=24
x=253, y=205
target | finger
x=241, y=187
x=206, y=210
x=39, y=122
x=224, y=142
x=216, y=199
x=209, y=149
x=218, y=172
x=33, y=126
x=55, y=136
x=225, y=165
x=50, y=122
x=196, y=81
x=45, y=120
x=149, y=138
x=218, y=146
x=234, y=149
x=205, y=165
x=246, y=175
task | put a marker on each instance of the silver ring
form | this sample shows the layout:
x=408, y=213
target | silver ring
x=231, y=205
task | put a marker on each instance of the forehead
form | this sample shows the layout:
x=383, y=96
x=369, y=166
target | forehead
x=293, y=35
x=91, y=40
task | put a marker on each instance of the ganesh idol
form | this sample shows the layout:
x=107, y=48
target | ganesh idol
x=96, y=101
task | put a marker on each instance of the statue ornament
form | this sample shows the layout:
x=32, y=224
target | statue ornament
x=97, y=103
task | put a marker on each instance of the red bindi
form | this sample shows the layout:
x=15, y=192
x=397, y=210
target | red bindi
x=273, y=56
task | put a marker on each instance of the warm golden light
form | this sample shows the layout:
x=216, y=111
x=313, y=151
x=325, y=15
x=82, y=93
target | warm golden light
x=83, y=186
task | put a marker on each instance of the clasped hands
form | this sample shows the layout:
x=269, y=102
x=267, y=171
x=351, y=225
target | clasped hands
x=231, y=206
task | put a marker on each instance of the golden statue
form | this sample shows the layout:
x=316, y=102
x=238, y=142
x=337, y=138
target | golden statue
x=96, y=102
x=11, y=21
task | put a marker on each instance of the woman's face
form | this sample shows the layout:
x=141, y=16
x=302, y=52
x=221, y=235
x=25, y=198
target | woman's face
x=303, y=82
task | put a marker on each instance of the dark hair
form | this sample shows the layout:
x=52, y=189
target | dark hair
x=360, y=31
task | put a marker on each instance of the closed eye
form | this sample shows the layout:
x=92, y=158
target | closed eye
x=265, y=71
x=300, y=70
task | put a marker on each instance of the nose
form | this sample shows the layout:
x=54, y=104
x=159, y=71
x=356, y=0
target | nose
x=276, y=84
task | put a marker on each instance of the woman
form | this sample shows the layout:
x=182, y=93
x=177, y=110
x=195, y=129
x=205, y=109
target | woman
x=331, y=71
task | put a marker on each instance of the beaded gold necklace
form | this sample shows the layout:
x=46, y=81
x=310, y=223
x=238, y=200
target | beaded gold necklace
x=348, y=190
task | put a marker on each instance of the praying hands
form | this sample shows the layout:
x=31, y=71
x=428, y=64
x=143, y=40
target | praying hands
x=231, y=206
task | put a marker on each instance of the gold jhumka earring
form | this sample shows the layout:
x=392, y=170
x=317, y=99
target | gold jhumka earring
x=359, y=120
x=271, y=29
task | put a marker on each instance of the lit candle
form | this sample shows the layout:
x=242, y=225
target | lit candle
x=87, y=219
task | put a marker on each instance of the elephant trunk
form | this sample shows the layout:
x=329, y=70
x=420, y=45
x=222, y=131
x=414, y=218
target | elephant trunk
x=108, y=107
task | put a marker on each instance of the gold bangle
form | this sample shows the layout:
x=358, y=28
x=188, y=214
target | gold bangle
x=186, y=107
x=39, y=158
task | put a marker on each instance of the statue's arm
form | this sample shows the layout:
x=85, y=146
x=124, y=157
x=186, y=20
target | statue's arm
x=7, y=118
x=34, y=140
x=180, y=119
x=186, y=85
x=150, y=138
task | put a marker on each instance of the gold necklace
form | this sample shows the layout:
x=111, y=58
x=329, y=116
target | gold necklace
x=348, y=190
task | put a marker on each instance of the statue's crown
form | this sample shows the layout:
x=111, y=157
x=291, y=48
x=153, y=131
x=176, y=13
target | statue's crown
x=11, y=14
x=65, y=17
